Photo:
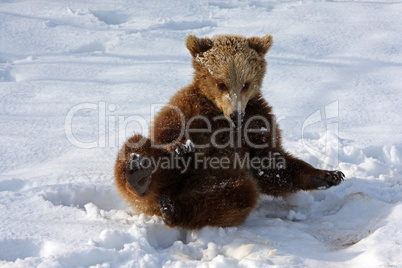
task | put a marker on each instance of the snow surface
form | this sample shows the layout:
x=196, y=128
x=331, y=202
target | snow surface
x=78, y=77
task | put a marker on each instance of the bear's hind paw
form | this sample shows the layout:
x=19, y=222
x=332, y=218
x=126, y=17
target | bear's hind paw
x=167, y=209
x=137, y=173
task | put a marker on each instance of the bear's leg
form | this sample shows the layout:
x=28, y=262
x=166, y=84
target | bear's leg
x=292, y=174
x=133, y=166
x=210, y=199
x=137, y=173
x=142, y=169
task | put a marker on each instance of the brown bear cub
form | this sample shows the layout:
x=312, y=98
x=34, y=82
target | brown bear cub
x=215, y=147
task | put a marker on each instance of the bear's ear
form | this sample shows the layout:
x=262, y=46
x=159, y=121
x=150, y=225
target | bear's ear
x=261, y=45
x=198, y=45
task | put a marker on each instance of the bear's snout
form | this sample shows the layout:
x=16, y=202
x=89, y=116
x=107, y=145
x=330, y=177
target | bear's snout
x=237, y=117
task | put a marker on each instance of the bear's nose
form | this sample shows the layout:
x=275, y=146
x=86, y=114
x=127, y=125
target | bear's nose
x=237, y=117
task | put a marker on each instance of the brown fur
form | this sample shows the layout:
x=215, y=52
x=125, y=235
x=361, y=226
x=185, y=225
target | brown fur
x=217, y=196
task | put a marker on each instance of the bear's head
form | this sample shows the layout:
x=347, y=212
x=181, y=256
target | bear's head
x=229, y=70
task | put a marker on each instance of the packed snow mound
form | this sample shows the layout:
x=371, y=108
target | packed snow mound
x=77, y=79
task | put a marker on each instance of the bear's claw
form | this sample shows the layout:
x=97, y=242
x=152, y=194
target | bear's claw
x=330, y=178
x=137, y=173
x=181, y=148
x=334, y=177
x=327, y=179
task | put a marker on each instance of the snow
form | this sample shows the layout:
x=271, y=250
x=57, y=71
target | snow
x=78, y=78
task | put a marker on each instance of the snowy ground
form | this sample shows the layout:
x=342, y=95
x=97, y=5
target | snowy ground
x=73, y=72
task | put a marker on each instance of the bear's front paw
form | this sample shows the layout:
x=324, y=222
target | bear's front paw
x=331, y=178
x=137, y=173
x=181, y=148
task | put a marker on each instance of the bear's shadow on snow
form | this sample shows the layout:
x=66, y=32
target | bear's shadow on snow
x=162, y=237
x=339, y=217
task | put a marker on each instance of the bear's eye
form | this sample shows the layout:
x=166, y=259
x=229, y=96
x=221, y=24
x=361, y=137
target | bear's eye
x=222, y=86
x=246, y=86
